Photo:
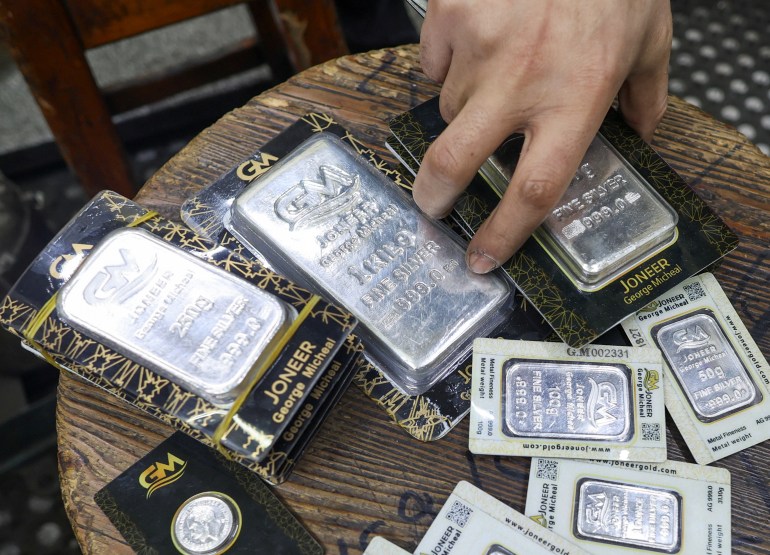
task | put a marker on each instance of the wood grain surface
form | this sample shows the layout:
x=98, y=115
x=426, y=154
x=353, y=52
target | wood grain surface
x=363, y=475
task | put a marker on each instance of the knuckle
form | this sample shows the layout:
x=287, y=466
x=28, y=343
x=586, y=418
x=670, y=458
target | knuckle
x=540, y=194
x=443, y=160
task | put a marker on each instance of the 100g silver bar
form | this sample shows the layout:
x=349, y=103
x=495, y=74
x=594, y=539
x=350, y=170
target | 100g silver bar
x=567, y=400
x=194, y=324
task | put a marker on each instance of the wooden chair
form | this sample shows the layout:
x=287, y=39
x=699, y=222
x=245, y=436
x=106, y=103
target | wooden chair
x=48, y=39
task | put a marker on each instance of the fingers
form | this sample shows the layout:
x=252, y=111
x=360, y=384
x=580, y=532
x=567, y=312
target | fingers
x=435, y=50
x=644, y=95
x=643, y=100
x=548, y=162
x=455, y=156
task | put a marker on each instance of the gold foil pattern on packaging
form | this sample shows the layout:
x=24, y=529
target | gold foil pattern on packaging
x=194, y=324
x=328, y=219
x=706, y=365
x=567, y=400
x=628, y=515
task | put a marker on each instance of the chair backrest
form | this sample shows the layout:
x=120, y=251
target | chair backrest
x=49, y=38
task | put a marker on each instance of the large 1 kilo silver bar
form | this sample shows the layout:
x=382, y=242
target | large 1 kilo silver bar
x=197, y=325
x=331, y=221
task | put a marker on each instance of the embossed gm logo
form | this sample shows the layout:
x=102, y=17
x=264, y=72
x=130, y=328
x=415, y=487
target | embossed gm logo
x=118, y=282
x=313, y=200
x=692, y=337
x=596, y=509
x=160, y=474
x=602, y=399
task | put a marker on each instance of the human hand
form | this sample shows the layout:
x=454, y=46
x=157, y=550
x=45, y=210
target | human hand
x=549, y=69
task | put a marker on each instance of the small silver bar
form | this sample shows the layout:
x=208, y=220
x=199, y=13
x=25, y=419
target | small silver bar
x=706, y=365
x=567, y=400
x=628, y=515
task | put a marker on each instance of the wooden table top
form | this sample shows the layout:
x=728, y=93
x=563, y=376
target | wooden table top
x=363, y=475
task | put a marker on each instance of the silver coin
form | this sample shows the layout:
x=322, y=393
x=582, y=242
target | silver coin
x=567, y=400
x=706, y=365
x=608, y=219
x=197, y=325
x=628, y=515
x=499, y=550
x=206, y=524
x=328, y=219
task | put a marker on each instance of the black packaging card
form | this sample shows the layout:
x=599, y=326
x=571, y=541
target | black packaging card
x=184, y=497
x=581, y=312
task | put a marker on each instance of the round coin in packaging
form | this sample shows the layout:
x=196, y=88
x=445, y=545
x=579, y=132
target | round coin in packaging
x=207, y=523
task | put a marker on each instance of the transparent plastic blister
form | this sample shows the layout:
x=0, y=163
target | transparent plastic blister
x=329, y=220
x=608, y=220
x=192, y=323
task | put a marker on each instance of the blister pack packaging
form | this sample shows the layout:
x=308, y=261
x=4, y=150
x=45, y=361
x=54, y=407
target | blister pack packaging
x=547, y=399
x=627, y=229
x=214, y=344
x=606, y=506
x=325, y=209
x=472, y=522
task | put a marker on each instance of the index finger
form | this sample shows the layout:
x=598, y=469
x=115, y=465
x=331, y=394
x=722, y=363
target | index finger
x=550, y=156
x=455, y=156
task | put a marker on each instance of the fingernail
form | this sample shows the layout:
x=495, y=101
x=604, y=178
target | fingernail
x=481, y=263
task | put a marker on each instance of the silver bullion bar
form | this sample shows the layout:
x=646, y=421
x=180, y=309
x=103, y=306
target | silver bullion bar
x=706, y=366
x=630, y=515
x=499, y=550
x=608, y=218
x=336, y=224
x=567, y=400
x=191, y=322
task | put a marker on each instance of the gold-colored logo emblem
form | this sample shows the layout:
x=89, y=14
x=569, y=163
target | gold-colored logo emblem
x=57, y=265
x=652, y=307
x=651, y=379
x=160, y=474
x=251, y=169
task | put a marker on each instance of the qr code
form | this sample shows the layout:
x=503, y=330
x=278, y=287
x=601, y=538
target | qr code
x=547, y=469
x=694, y=291
x=459, y=513
x=650, y=431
